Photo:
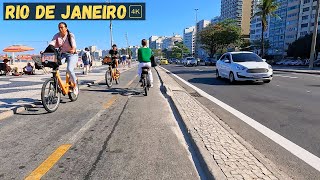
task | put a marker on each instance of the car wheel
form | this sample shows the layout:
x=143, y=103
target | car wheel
x=231, y=78
x=266, y=81
x=217, y=74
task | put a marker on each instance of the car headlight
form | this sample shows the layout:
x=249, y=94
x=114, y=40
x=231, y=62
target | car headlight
x=270, y=67
x=240, y=67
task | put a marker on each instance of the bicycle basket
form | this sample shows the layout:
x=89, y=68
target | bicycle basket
x=49, y=60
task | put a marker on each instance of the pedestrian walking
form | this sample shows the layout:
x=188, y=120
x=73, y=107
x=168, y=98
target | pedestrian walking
x=124, y=60
x=129, y=61
x=86, y=59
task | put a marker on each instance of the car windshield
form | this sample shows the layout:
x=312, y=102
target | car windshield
x=246, y=57
x=190, y=59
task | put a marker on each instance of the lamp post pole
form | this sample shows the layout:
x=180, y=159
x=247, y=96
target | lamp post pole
x=111, y=38
x=195, y=38
x=314, y=37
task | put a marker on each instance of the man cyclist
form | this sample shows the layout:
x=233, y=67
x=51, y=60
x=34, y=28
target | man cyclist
x=144, y=57
x=114, y=57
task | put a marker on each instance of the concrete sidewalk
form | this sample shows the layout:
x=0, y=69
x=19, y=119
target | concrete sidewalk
x=224, y=153
x=20, y=92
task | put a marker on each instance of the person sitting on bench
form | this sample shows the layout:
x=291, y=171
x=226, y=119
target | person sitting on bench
x=5, y=67
x=28, y=69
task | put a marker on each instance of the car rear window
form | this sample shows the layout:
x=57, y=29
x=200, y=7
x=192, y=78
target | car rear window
x=246, y=57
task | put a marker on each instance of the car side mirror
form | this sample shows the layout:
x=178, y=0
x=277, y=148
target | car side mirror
x=264, y=60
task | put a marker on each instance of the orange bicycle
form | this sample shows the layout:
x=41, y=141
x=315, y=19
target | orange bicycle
x=53, y=87
x=112, y=74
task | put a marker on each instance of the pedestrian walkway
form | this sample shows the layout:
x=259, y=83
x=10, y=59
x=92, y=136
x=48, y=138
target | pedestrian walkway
x=18, y=91
x=221, y=147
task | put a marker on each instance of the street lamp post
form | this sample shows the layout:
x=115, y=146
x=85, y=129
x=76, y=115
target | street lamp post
x=314, y=37
x=111, y=38
x=195, y=39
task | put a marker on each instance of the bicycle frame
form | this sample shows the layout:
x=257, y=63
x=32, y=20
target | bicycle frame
x=63, y=86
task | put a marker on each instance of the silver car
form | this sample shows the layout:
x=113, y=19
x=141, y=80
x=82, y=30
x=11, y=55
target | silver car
x=190, y=61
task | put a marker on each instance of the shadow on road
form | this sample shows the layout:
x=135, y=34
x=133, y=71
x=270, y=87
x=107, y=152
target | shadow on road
x=195, y=72
x=121, y=91
x=220, y=82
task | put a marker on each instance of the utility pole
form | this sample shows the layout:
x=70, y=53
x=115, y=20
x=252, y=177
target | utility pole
x=127, y=43
x=111, y=38
x=314, y=37
x=195, y=38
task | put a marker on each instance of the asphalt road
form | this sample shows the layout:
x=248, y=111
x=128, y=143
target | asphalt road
x=114, y=133
x=289, y=105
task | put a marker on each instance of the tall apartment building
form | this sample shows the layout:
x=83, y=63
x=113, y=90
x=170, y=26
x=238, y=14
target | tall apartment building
x=152, y=42
x=277, y=26
x=189, y=38
x=306, y=17
x=215, y=20
x=169, y=42
x=199, y=52
x=240, y=11
x=296, y=20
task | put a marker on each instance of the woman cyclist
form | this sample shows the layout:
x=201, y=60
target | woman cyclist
x=66, y=42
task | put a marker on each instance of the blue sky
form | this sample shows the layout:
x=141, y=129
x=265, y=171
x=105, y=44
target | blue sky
x=163, y=17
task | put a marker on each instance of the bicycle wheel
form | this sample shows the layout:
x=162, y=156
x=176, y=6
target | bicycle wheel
x=72, y=96
x=145, y=87
x=50, y=95
x=108, y=78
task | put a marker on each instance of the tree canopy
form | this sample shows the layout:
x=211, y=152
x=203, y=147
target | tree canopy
x=219, y=36
x=302, y=47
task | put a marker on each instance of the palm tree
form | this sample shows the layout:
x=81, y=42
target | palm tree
x=266, y=8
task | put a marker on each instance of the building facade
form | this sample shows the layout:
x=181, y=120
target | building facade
x=189, y=38
x=296, y=20
x=238, y=10
x=152, y=42
x=199, y=52
x=169, y=42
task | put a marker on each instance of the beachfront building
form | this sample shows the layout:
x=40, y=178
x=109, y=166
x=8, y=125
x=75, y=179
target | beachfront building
x=200, y=52
x=189, y=38
x=238, y=10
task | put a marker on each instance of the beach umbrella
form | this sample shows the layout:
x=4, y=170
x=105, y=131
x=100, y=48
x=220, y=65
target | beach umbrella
x=17, y=48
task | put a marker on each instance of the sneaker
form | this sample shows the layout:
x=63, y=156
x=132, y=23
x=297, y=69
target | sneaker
x=151, y=85
x=76, y=91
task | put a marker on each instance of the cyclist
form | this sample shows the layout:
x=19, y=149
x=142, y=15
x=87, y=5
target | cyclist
x=114, y=57
x=144, y=57
x=66, y=42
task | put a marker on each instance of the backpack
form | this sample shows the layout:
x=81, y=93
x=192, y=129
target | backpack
x=84, y=57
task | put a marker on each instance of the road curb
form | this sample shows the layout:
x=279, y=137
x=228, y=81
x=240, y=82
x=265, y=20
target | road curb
x=208, y=164
x=22, y=108
x=296, y=71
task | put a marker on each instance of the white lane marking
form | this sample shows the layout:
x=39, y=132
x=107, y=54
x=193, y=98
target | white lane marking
x=301, y=153
x=292, y=77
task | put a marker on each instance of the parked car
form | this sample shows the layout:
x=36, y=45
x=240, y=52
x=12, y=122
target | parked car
x=210, y=61
x=243, y=66
x=163, y=61
x=190, y=61
x=201, y=62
